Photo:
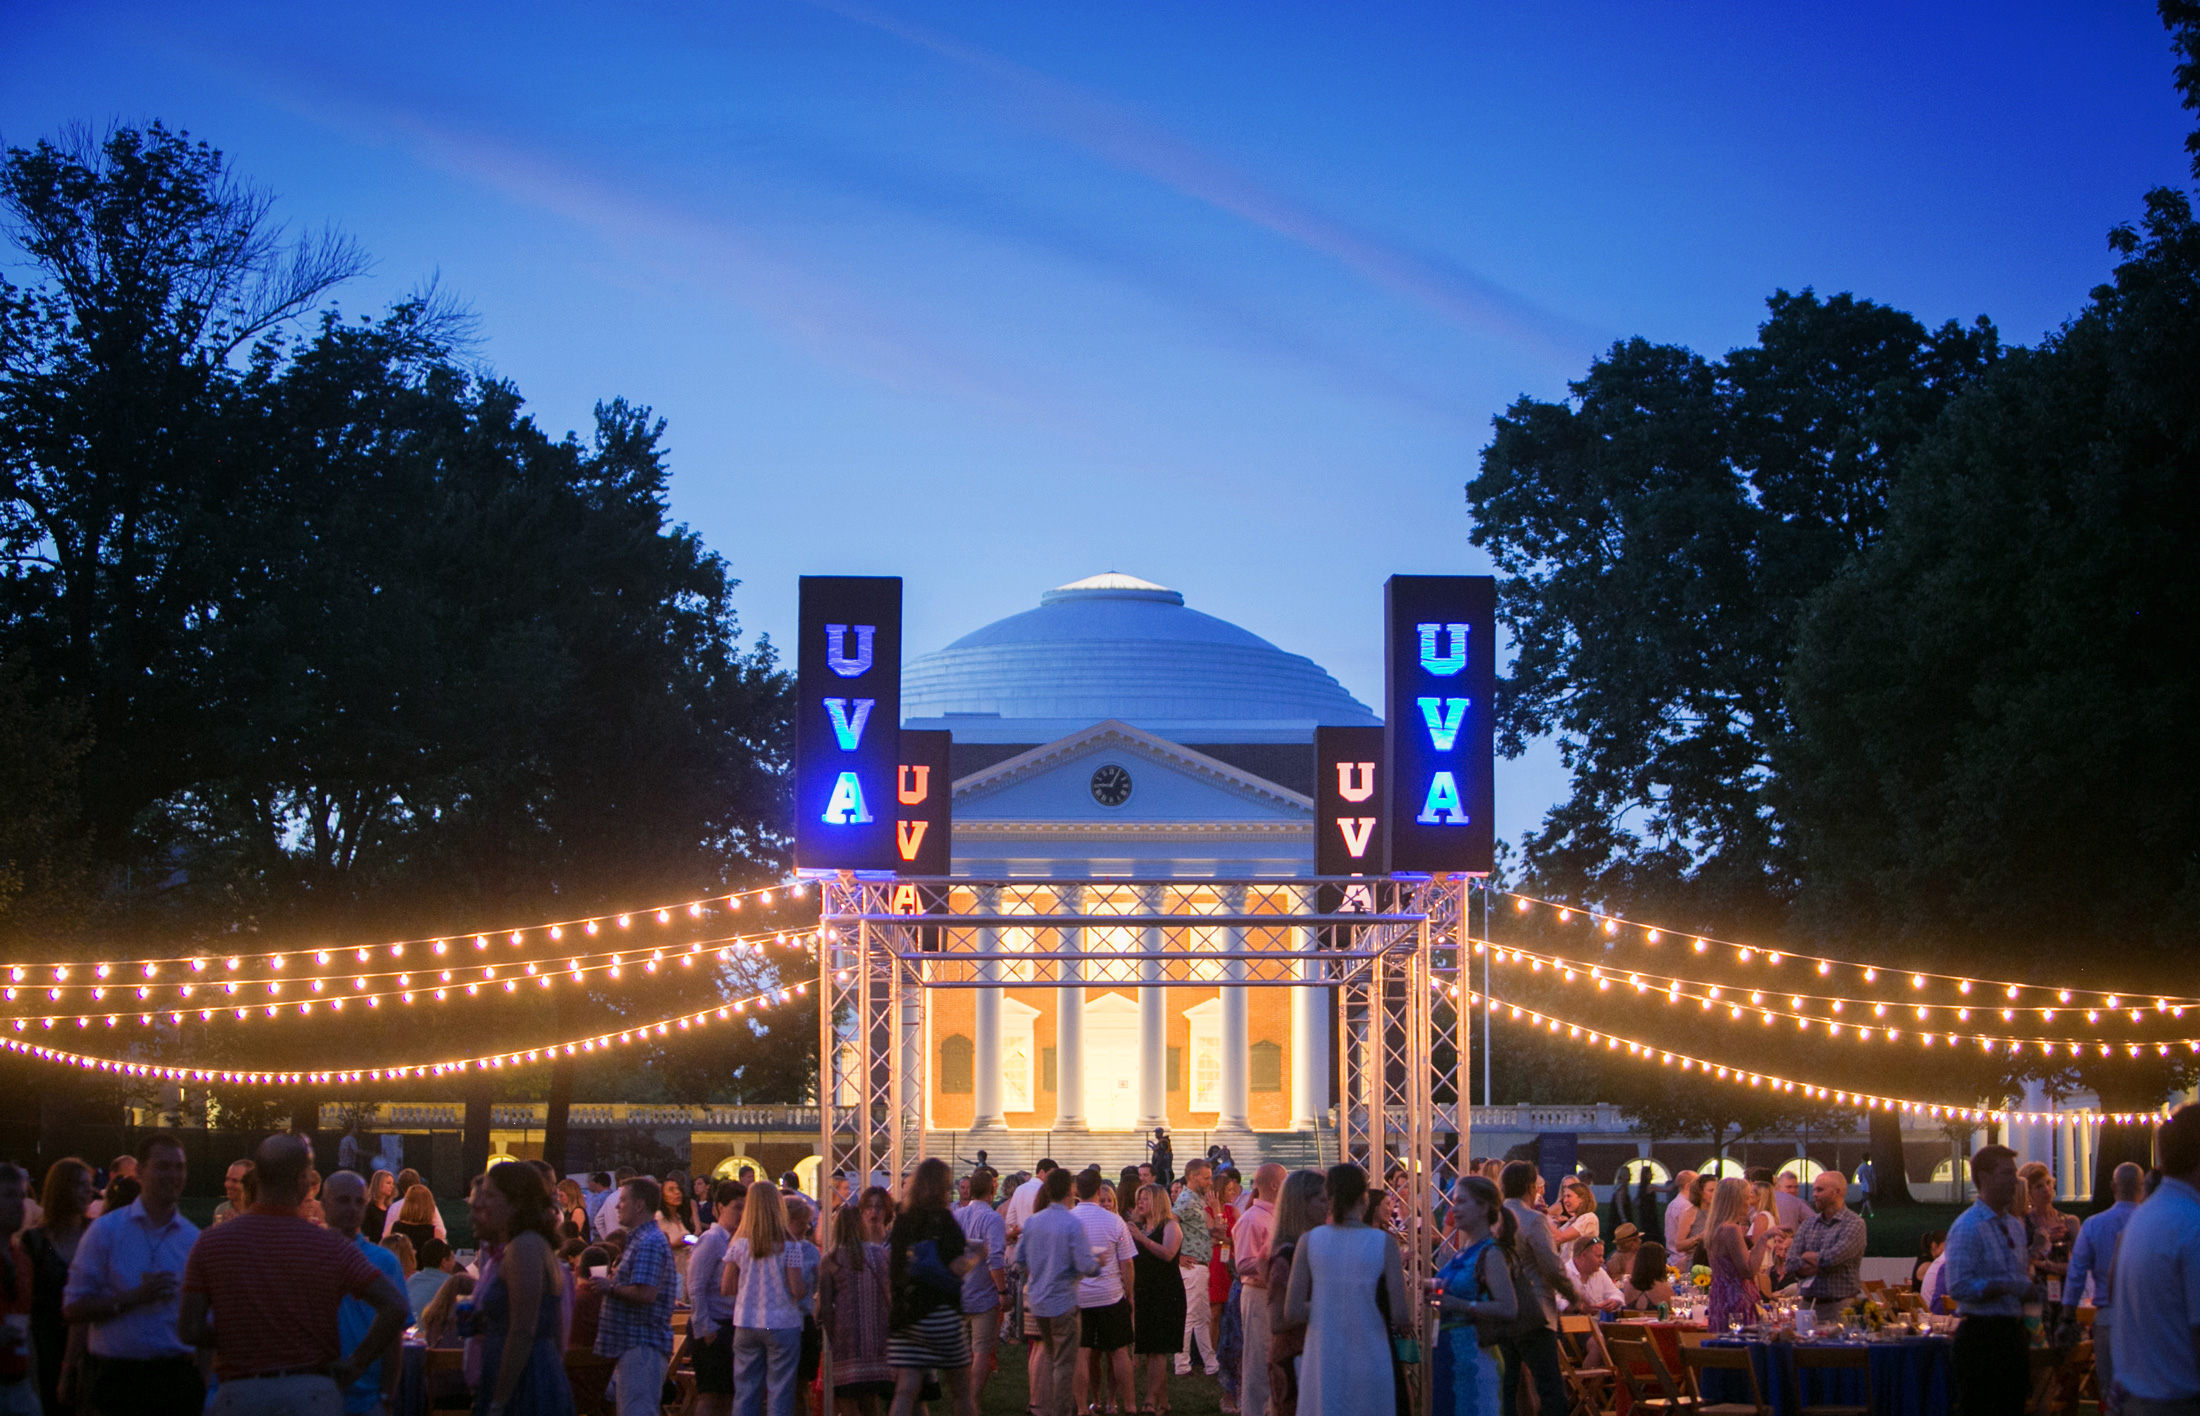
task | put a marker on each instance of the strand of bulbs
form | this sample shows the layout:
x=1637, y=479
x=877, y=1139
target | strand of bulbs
x=238, y=1001
x=1596, y=1040
x=1614, y=927
x=1833, y=1020
x=573, y=1047
x=91, y=975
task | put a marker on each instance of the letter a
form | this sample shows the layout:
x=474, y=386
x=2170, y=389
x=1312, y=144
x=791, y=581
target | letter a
x=849, y=732
x=1442, y=807
x=1351, y=791
x=836, y=649
x=914, y=795
x=905, y=900
x=847, y=808
x=1452, y=660
x=1443, y=730
x=909, y=835
x=1355, y=842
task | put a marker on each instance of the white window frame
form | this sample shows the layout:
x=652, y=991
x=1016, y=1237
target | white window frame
x=1203, y=1085
x=1019, y=1056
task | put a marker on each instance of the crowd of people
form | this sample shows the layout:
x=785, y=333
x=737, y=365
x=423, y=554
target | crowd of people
x=1287, y=1293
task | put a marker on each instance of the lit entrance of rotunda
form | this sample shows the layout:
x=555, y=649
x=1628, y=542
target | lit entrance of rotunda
x=1111, y=1062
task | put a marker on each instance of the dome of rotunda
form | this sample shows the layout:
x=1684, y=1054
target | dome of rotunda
x=1115, y=646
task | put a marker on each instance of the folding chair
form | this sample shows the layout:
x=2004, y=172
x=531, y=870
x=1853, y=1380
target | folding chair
x=1650, y=1387
x=1696, y=1360
x=1589, y=1383
x=2075, y=1382
x=590, y=1376
x=2046, y=1362
x=1831, y=1358
x=448, y=1394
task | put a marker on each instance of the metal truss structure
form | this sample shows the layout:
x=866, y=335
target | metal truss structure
x=1392, y=952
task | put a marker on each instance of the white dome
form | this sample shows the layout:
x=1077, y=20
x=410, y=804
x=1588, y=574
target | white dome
x=1116, y=646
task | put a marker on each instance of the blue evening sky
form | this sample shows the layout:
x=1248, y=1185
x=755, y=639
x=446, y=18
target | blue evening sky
x=995, y=296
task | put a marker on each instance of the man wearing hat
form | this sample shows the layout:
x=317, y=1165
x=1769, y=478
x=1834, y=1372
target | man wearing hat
x=1625, y=1240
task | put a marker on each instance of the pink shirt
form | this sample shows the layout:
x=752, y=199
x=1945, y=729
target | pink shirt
x=1249, y=1241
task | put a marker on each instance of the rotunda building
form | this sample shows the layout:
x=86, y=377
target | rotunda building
x=1111, y=734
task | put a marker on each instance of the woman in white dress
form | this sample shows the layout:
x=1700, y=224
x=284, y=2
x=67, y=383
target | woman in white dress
x=1346, y=1368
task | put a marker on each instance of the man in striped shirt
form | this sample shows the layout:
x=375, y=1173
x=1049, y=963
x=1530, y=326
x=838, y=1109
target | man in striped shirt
x=1990, y=1277
x=263, y=1291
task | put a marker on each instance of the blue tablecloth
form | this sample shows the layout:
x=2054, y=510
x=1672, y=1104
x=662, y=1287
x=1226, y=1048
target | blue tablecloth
x=1909, y=1377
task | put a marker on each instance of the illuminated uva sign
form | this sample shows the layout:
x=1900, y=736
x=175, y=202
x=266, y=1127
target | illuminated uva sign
x=1349, y=802
x=923, y=798
x=1440, y=685
x=847, y=723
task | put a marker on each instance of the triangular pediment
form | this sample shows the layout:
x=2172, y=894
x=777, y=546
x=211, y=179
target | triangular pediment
x=1069, y=779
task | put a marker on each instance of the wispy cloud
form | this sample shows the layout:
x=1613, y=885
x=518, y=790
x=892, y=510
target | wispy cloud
x=1119, y=137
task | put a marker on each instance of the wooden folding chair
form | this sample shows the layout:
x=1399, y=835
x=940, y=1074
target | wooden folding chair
x=1650, y=1387
x=590, y=1377
x=2073, y=1382
x=1589, y=1382
x=2046, y=1362
x=443, y=1376
x=1696, y=1360
x=1830, y=1358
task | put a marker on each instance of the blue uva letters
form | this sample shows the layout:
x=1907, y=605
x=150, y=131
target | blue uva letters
x=849, y=732
x=1443, y=726
x=1453, y=659
x=836, y=649
x=847, y=807
x=1443, y=806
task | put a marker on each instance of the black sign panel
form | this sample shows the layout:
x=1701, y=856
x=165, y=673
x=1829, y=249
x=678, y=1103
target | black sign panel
x=1350, y=802
x=1440, y=686
x=923, y=804
x=847, y=723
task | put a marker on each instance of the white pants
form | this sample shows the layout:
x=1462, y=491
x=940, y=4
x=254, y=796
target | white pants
x=638, y=1381
x=1198, y=1319
x=1253, y=1378
x=280, y=1396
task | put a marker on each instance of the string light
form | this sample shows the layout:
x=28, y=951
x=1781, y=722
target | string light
x=573, y=1047
x=763, y=894
x=362, y=981
x=1613, y=926
x=1706, y=994
x=1863, y=1101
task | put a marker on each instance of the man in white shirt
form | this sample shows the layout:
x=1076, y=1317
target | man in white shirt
x=1103, y=1301
x=1679, y=1210
x=1598, y=1293
x=123, y=1286
x=1025, y=1201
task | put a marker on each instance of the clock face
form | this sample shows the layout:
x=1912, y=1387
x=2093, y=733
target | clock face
x=1111, y=785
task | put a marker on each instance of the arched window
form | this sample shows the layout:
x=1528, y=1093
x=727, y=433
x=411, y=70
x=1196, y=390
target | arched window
x=956, y=1065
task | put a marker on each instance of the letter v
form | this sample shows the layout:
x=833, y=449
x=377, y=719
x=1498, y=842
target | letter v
x=849, y=733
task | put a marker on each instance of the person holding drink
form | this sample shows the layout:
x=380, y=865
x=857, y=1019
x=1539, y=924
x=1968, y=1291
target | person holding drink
x=1473, y=1294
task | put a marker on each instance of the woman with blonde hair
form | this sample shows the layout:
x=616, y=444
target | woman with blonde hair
x=407, y=1259
x=572, y=1208
x=1734, y=1259
x=765, y=1279
x=381, y=1199
x=1301, y=1207
x=416, y=1216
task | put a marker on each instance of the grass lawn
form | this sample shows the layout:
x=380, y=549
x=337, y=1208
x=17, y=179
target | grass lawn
x=1006, y=1393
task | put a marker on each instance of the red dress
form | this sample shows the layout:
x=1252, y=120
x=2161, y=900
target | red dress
x=1219, y=1268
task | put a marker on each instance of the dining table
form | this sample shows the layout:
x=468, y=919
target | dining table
x=1908, y=1375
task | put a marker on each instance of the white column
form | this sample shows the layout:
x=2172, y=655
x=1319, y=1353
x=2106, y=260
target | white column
x=1153, y=1018
x=1236, y=1108
x=985, y=1052
x=1069, y=1020
x=1309, y=1031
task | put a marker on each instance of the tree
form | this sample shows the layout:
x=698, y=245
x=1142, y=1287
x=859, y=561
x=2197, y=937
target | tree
x=1657, y=536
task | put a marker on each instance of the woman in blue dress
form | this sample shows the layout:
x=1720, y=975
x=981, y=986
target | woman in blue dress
x=519, y=1312
x=1472, y=1290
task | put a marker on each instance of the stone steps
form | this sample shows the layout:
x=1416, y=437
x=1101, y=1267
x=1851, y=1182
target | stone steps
x=1011, y=1151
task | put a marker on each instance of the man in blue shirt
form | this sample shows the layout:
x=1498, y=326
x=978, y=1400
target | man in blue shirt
x=1054, y=1254
x=635, y=1330
x=2094, y=1256
x=2157, y=1322
x=1990, y=1277
x=344, y=1207
x=982, y=1286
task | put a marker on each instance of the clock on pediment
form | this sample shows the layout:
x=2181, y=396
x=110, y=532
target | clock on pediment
x=1111, y=785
